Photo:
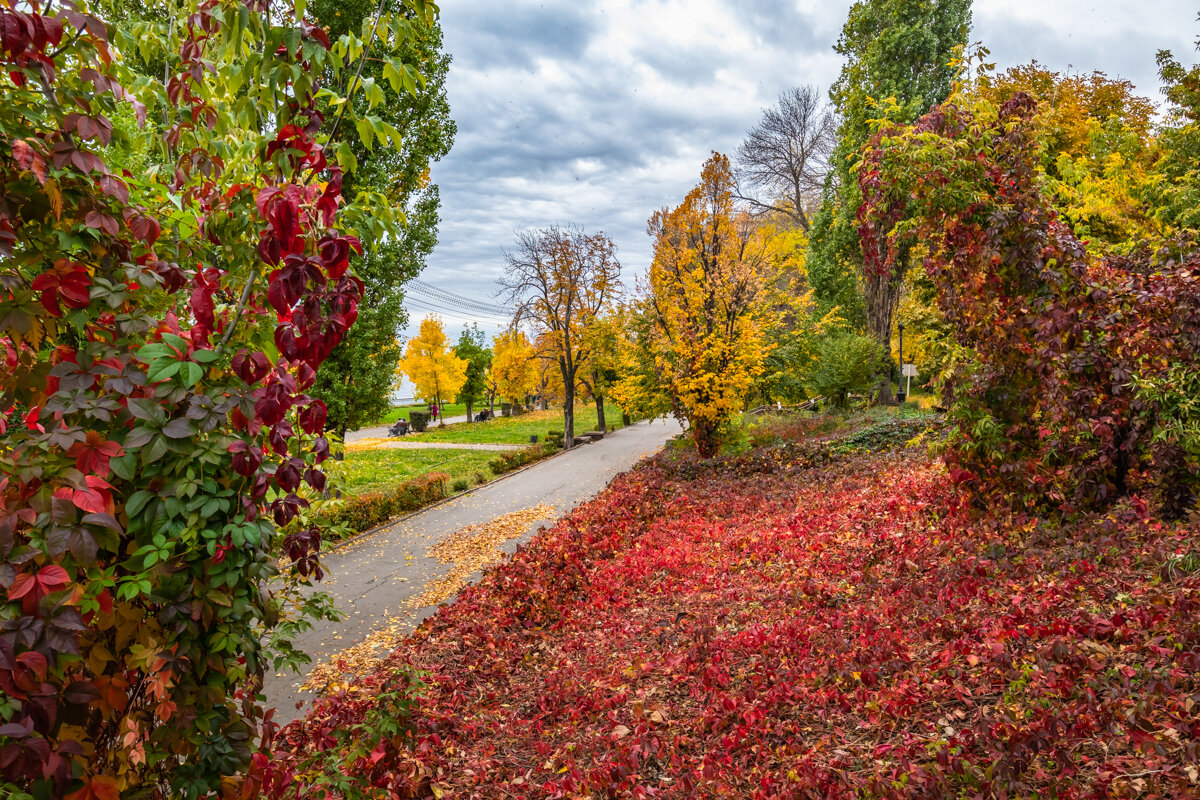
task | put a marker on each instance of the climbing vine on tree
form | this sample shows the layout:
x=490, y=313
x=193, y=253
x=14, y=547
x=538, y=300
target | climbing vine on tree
x=160, y=329
x=1083, y=380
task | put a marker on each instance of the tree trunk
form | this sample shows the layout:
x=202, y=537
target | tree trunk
x=704, y=432
x=569, y=421
x=599, y=398
x=470, y=406
x=568, y=377
x=437, y=398
x=881, y=291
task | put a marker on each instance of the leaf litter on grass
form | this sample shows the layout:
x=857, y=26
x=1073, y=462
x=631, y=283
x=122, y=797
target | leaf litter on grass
x=469, y=550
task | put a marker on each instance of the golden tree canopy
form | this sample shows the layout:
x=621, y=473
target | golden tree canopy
x=436, y=373
x=513, y=370
x=705, y=299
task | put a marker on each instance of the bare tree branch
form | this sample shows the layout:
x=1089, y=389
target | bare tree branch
x=786, y=155
x=560, y=280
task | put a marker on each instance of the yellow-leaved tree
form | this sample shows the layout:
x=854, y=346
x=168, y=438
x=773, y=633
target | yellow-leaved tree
x=513, y=370
x=705, y=301
x=431, y=365
x=602, y=340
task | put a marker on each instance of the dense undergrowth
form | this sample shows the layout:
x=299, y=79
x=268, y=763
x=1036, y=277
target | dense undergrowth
x=816, y=617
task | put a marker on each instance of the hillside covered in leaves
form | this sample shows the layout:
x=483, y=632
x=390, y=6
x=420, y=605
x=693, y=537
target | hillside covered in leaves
x=813, y=617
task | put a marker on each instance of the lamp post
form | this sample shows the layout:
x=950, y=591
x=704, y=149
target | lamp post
x=901, y=396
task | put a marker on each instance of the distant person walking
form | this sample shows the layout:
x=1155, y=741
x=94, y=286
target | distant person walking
x=433, y=411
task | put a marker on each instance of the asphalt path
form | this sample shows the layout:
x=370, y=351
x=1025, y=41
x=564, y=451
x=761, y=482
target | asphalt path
x=372, y=577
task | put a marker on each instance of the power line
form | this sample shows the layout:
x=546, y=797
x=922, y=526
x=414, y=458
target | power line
x=458, y=303
x=481, y=319
x=446, y=296
x=431, y=305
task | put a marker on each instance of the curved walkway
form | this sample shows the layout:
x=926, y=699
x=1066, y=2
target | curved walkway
x=373, y=577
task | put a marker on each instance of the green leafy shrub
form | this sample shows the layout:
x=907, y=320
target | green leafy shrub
x=365, y=511
x=506, y=409
x=555, y=438
x=846, y=363
x=480, y=477
x=153, y=494
x=512, y=459
x=460, y=485
x=419, y=420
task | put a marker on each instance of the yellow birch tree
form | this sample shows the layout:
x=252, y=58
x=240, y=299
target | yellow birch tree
x=705, y=301
x=513, y=370
x=431, y=365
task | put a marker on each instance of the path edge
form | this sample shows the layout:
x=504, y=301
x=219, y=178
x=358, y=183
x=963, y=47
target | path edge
x=405, y=517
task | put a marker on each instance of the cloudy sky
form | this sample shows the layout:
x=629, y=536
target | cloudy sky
x=599, y=112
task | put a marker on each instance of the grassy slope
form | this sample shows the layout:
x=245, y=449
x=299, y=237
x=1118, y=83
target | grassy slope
x=367, y=470
x=517, y=430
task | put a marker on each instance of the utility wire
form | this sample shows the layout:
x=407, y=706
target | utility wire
x=457, y=303
x=437, y=292
x=497, y=321
x=435, y=305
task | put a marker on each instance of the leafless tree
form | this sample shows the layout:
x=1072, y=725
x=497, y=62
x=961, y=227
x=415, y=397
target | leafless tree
x=786, y=155
x=560, y=280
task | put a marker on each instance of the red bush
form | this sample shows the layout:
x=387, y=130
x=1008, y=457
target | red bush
x=1082, y=375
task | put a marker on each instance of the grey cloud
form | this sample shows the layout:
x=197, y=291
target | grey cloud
x=513, y=35
x=1118, y=51
x=782, y=23
x=684, y=67
x=603, y=147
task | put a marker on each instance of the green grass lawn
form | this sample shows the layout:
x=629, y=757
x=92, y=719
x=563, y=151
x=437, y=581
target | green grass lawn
x=368, y=470
x=449, y=410
x=517, y=430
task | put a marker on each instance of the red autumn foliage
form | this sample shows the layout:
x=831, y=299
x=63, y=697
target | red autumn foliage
x=1080, y=385
x=787, y=625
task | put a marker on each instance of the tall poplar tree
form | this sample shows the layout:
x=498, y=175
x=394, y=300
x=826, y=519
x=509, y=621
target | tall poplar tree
x=898, y=64
x=472, y=348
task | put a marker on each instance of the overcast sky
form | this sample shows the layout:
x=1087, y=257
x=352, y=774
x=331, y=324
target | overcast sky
x=598, y=113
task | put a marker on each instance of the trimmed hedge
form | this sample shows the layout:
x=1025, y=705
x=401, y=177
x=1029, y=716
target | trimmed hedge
x=511, y=459
x=556, y=438
x=419, y=420
x=369, y=509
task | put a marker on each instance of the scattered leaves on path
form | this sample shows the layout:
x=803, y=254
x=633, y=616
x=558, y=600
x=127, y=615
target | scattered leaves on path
x=473, y=548
x=469, y=549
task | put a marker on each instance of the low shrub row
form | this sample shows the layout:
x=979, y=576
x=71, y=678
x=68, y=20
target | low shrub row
x=362, y=512
x=512, y=459
x=419, y=420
